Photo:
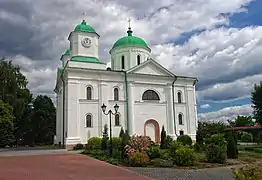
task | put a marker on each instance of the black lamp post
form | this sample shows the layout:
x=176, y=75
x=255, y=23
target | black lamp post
x=110, y=112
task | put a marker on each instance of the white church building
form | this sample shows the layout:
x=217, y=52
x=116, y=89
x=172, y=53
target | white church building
x=148, y=95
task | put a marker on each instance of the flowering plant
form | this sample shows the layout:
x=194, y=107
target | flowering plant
x=137, y=144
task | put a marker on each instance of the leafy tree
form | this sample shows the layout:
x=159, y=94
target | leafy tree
x=43, y=121
x=6, y=124
x=242, y=121
x=256, y=97
x=163, y=138
x=13, y=90
x=105, y=138
x=206, y=129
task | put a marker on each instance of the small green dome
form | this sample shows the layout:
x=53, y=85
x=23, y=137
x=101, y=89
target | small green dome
x=130, y=40
x=83, y=27
x=68, y=52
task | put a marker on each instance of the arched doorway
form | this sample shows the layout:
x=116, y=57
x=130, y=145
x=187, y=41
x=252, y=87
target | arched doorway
x=151, y=129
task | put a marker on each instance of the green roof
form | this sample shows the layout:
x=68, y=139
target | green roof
x=60, y=70
x=130, y=40
x=67, y=52
x=83, y=27
x=85, y=59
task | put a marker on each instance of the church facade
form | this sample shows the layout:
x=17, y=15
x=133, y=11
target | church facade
x=148, y=95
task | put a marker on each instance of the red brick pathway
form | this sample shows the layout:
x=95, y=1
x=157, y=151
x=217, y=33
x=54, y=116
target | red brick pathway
x=61, y=167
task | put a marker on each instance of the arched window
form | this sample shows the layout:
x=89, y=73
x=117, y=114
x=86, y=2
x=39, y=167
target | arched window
x=179, y=97
x=117, y=120
x=150, y=95
x=88, y=93
x=138, y=59
x=88, y=120
x=123, y=62
x=180, y=119
x=116, y=94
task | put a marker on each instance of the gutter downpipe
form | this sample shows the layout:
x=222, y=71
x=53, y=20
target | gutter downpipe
x=173, y=103
x=127, y=111
x=63, y=110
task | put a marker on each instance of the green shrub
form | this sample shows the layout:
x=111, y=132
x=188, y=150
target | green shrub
x=139, y=159
x=138, y=144
x=116, y=145
x=185, y=140
x=216, y=148
x=232, y=151
x=246, y=137
x=161, y=162
x=174, y=146
x=78, y=146
x=94, y=143
x=164, y=154
x=104, y=138
x=153, y=152
x=163, y=138
x=169, y=141
x=185, y=156
x=248, y=173
x=198, y=147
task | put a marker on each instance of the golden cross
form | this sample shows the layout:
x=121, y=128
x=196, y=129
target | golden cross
x=129, y=20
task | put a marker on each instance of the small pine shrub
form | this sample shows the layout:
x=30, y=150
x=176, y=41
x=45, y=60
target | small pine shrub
x=232, y=151
x=139, y=159
x=122, y=133
x=105, y=138
x=185, y=140
x=185, y=156
x=153, y=152
x=94, y=143
x=78, y=146
x=216, y=148
x=169, y=141
x=163, y=138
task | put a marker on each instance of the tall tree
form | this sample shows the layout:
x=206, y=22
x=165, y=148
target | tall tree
x=6, y=124
x=13, y=90
x=43, y=120
x=242, y=121
x=256, y=97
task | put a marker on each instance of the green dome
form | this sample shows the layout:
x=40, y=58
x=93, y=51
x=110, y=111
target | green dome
x=68, y=52
x=130, y=40
x=83, y=27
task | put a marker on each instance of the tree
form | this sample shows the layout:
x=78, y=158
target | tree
x=43, y=120
x=6, y=124
x=242, y=121
x=206, y=129
x=256, y=98
x=122, y=133
x=13, y=90
x=163, y=138
x=105, y=138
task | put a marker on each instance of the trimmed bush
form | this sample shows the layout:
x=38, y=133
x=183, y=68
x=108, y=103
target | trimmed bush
x=164, y=154
x=78, y=146
x=216, y=148
x=153, y=152
x=246, y=137
x=185, y=140
x=139, y=159
x=161, y=162
x=94, y=143
x=174, y=146
x=185, y=156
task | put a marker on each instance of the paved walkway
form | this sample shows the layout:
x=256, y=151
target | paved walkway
x=61, y=167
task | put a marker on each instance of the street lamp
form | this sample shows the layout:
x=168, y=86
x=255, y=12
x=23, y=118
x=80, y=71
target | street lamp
x=110, y=112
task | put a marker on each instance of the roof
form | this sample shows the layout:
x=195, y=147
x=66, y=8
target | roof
x=85, y=59
x=244, y=127
x=84, y=27
x=130, y=40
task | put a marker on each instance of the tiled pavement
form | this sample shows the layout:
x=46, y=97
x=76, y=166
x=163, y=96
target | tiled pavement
x=61, y=167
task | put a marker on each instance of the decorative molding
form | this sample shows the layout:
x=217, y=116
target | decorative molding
x=85, y=101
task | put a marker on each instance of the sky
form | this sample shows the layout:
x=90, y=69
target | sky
x=217, y=41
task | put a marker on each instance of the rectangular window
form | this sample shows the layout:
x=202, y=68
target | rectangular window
x=181, y=133
x=123, y=62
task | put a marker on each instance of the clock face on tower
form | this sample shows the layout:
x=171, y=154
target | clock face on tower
x=86, y=42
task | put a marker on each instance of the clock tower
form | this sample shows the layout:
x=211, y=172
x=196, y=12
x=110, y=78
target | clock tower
x=84, y=41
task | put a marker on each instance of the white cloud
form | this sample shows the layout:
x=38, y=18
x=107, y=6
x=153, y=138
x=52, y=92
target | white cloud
x=227, y=113
x=205, y=106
